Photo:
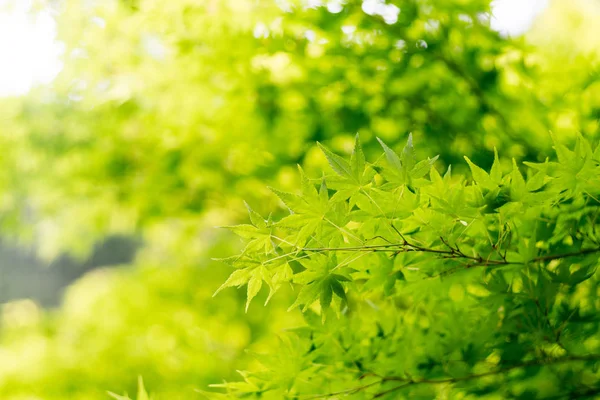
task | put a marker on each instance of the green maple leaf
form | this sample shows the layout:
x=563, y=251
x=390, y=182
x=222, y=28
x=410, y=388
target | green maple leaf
x=258, y=234
x=311, y=212
x=255, y=269
x=352, y=177
x=404, y=169
x=319, y=282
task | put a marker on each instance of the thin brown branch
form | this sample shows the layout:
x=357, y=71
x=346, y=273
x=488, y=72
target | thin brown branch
x=451, y=253
x=526, y=364
x=409, y=381
x=565, y=255
x=347, y=391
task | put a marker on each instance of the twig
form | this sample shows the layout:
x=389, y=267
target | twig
x=532, y=363
x=409, y=381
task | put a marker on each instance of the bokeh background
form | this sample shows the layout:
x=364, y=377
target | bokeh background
x=130, y=129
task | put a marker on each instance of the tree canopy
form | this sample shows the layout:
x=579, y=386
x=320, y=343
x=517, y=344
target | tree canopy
x=421, y=192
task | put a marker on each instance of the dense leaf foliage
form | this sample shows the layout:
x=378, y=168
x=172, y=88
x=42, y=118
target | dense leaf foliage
x=475, y=280
x=140, y=139
x=417, y=285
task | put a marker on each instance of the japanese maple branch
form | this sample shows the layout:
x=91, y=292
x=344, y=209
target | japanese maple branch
x=453, y=252
x=407, y=381
x=526, y=364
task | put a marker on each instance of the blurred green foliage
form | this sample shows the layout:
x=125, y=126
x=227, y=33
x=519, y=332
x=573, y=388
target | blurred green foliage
x=167, y=114
x=159, y=323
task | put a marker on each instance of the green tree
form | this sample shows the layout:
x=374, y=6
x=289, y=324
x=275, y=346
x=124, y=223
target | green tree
x=196, y=105
x=417, y=285
x=167, y=114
